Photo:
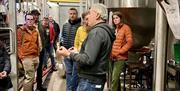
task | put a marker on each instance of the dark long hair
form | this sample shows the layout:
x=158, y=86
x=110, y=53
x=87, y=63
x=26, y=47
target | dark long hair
x=120, y=15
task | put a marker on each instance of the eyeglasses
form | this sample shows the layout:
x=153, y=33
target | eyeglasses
x=30, y=19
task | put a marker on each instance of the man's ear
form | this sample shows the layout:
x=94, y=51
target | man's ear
x=98, y=16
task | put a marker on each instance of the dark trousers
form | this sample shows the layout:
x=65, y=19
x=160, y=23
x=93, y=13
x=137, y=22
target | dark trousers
x=39, y=69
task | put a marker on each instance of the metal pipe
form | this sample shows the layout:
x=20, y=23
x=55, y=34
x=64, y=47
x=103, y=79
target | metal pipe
x=81, y=7
x=130, y=3
x=13, y=56
x=160, y=50
x=44, y=8
x=27, y=5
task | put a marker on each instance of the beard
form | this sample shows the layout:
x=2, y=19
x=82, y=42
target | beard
x=30, y=27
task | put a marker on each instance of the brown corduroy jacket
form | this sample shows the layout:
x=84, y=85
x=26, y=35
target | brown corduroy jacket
x=122, y=43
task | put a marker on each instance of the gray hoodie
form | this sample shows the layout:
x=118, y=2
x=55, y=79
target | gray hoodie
x=95, y=51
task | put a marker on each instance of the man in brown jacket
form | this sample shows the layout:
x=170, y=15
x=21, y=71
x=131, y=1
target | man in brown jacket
x=28, y=50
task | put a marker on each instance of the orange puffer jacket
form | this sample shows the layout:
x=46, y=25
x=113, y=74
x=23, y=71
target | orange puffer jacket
x=122, y=43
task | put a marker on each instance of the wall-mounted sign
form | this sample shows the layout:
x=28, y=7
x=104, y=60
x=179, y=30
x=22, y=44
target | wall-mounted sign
x=68, y=1
x=171, y=9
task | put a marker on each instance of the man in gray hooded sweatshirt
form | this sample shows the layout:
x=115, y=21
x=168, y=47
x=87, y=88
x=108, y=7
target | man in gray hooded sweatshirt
x=95, y=51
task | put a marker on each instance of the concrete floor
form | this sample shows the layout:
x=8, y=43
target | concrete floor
x=57, y=83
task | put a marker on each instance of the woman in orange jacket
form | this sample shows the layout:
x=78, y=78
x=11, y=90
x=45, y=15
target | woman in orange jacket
x=121, y=45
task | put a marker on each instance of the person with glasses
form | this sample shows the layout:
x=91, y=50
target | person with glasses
x=28, y=50
x=95, y=51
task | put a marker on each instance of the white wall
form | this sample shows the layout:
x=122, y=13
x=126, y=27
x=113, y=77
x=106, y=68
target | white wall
x=54, y=11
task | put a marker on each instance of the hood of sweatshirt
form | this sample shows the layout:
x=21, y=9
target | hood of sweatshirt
x=107, y=28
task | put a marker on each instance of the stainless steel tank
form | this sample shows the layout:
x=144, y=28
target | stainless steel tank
x=140, y=15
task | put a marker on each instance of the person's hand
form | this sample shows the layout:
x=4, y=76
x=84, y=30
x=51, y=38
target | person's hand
x=73, y=49
x=63, y=51
x=3, y=74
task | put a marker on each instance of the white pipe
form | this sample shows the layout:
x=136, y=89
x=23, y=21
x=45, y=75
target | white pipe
x=80, y=7
x=27, y=5
x=13, y=56
x=160, y=50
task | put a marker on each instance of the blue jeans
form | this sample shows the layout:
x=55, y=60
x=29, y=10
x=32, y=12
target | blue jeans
x=71, y=74
x=49, y=53
x=88, y=85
